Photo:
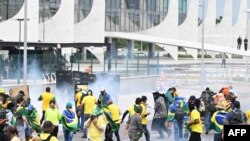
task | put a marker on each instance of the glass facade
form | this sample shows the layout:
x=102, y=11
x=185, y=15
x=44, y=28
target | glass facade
x=134, y=15
x=182, y=11
x=47, y=9
x=82, y=9
x=9, y=8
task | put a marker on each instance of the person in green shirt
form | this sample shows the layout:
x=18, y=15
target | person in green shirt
x=52, y=114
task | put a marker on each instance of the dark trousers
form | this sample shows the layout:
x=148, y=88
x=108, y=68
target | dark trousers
x=245, y=47
x=238, y=46
x=55, y=131
x=117, y=133
x=195, y=136
x=147, y=135
x=218, y=137
x=43, y=116
x=160, y=124
x=86, y=117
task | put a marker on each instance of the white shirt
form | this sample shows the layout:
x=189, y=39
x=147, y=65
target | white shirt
x=15, y=138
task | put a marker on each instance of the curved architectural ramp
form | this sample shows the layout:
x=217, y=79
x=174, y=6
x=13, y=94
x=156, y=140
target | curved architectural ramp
x=169, y=27
x=98, y=52
x=174, y=42
x=239, y=28
x=188, y=30
x=224, y=28
x=9, y=29
x=209, y=24
x=93, y=25
x=172, y=50
x=60, y=28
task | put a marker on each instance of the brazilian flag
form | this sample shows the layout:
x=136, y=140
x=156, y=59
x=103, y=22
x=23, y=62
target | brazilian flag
x=34, y=120
x=99, y=110
x=69, y=121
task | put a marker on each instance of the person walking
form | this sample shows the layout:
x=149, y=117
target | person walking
x=223, y=63
x=87, y=106
x=96, y=127
x=178, y=115
x=46, y=97
x=53, y=115
x=115, y=114
x=194, y=122
x=239, y=42
x=160, y=116
x=69, y=122
x=245, y=43
x=135, y=129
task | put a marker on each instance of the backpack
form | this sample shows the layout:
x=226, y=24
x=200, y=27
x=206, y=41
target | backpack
x=237, y=118
x=179, y=113
x=47, y=139
x=210, y=104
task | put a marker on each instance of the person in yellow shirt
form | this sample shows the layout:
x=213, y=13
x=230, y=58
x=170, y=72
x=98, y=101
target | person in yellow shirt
x=53, y=115
x=144, y=115
x=115, y=114
x=248, y=117
x=96, y=127
x=131, y=109
x=88, y=105
x=194, y=122
x=46, y=98
x=78, y=101
x=47, y=130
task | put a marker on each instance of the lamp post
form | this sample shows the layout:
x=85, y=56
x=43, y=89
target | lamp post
x=19, y=46
x=25, y=44
x=247, y=11
x=202, y=46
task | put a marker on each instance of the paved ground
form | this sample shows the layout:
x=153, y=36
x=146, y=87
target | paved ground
x=126, y=100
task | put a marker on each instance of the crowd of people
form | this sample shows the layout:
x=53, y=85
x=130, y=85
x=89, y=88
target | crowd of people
x=99, y=119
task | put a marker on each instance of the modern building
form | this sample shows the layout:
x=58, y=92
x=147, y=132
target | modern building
x=167, y=23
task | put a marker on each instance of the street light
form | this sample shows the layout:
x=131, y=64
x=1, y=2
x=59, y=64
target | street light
x=202, y=46
x=247, y=11
x=18, y=58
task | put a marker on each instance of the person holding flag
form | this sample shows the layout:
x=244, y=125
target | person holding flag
x=69, y=122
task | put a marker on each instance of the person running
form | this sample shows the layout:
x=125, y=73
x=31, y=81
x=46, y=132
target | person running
x=131, y=109
x=47, y=130
x=87, y=106
x=12, y=133
x=135, y=129
x=160, y=116
x=69, y=122
x=194, y=122
x=52, y=114
x=46, y=98
x=78, y=101
x=96, y=127
x=115, y=114
x=178, y=115
x=144, y=115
